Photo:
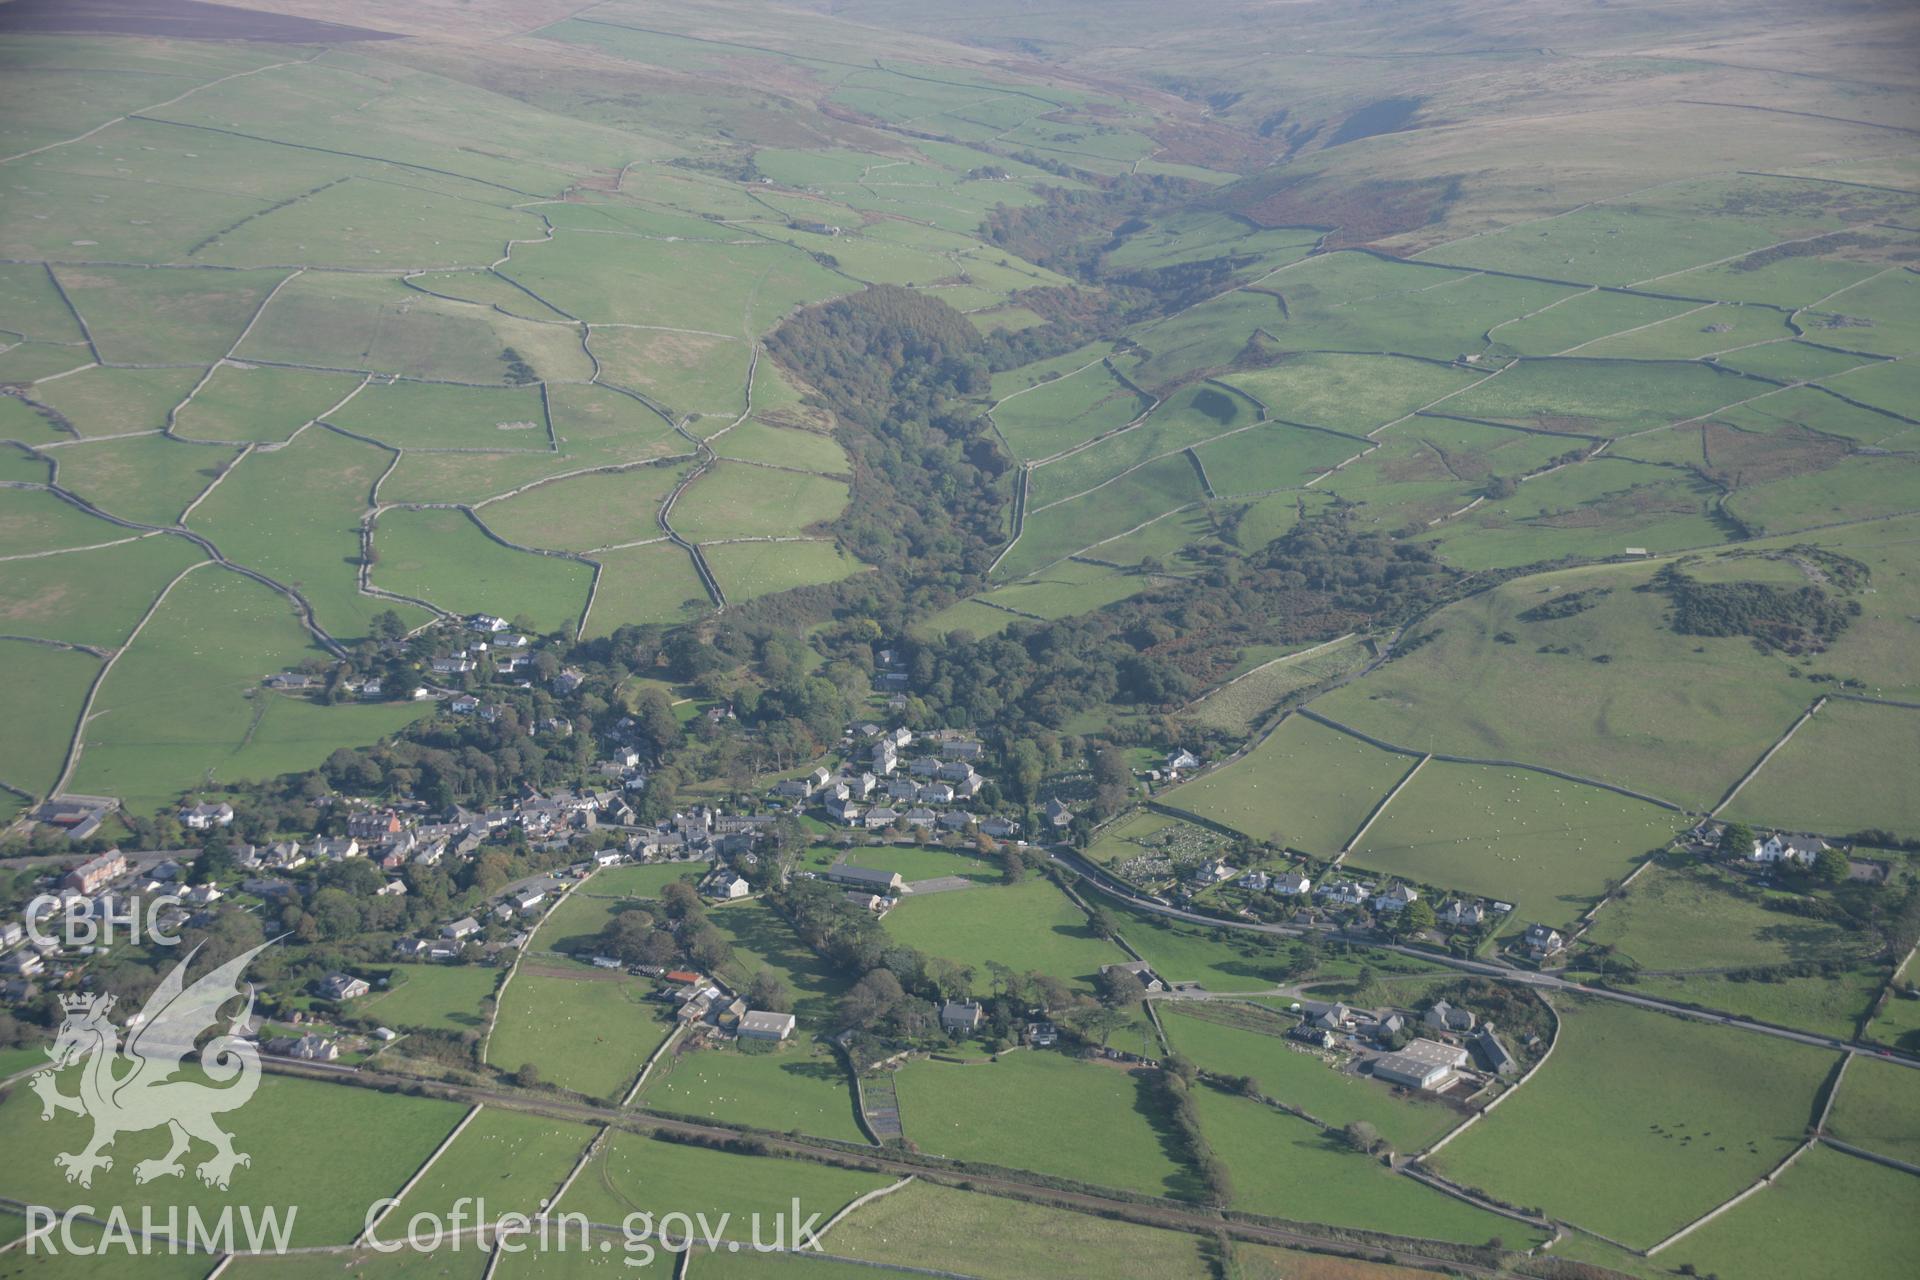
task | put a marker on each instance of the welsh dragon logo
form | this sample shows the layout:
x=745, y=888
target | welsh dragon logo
x=131, y=1090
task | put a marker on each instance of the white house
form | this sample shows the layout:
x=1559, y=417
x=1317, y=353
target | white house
x=1291, y=884
x=1778, y=848
x=1345, y=893
x=1462, y=913
x=204, y=817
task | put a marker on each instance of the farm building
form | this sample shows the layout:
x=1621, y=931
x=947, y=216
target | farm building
x=1423, y=1064
x=757, y=1025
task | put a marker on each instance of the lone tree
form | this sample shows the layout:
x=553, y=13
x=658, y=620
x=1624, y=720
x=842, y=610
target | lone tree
x=1362, y=1137
x=528, y=1076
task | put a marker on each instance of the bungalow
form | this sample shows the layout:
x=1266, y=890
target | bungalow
x=606, y=962
x=1000, y=828
x=392, y=889
x=204, y=817
x=1291, y=884
x=961, y=1017
x=528, y=899
x=1542, y=941
x=342, y=986
x=1345, y=893
x=464, y=927
x=451, y=666
x=756, y=1024
x=464, y=706
x=1423, y=1064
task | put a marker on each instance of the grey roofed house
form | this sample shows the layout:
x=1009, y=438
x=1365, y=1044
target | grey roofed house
x=961, y=1015
x=873, y=879
x=1444, y=1017
x=1058, y=814
x=1494, y=1052
x=1423, y=1064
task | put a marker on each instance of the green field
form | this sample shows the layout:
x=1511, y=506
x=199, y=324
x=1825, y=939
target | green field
x=1669, y=1117
x=185, y=705
x=643, y=880
x=1829, y=1006
x=295, y=515
x=748, y=570
x=383, y=1139
x=1678, y=917
x=149, y=479
x=1029, y=927
x=1305, y=786
x=48, y=687
x=1679, y=717
x=427, y=415
x=1091, y=1122
x=1831, y=1213
x=515, y=1160
x=929, y=1226
x=1283, y=1167
x=1847, y=769
x=798, y=1086
x=1239, y=707
x=762, y=939
x=1303, y=1079
x=434, y=997
x=647, y=584
x=585, y=1030
x=1550, y=846
x=920, y=863
x=1879, y=1109
x=737, y=500
x=632, y=1173
x=444, y=557
x=1352, y=393
x=581, y=513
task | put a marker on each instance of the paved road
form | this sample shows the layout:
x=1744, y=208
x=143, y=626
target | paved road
x=1484, y=968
